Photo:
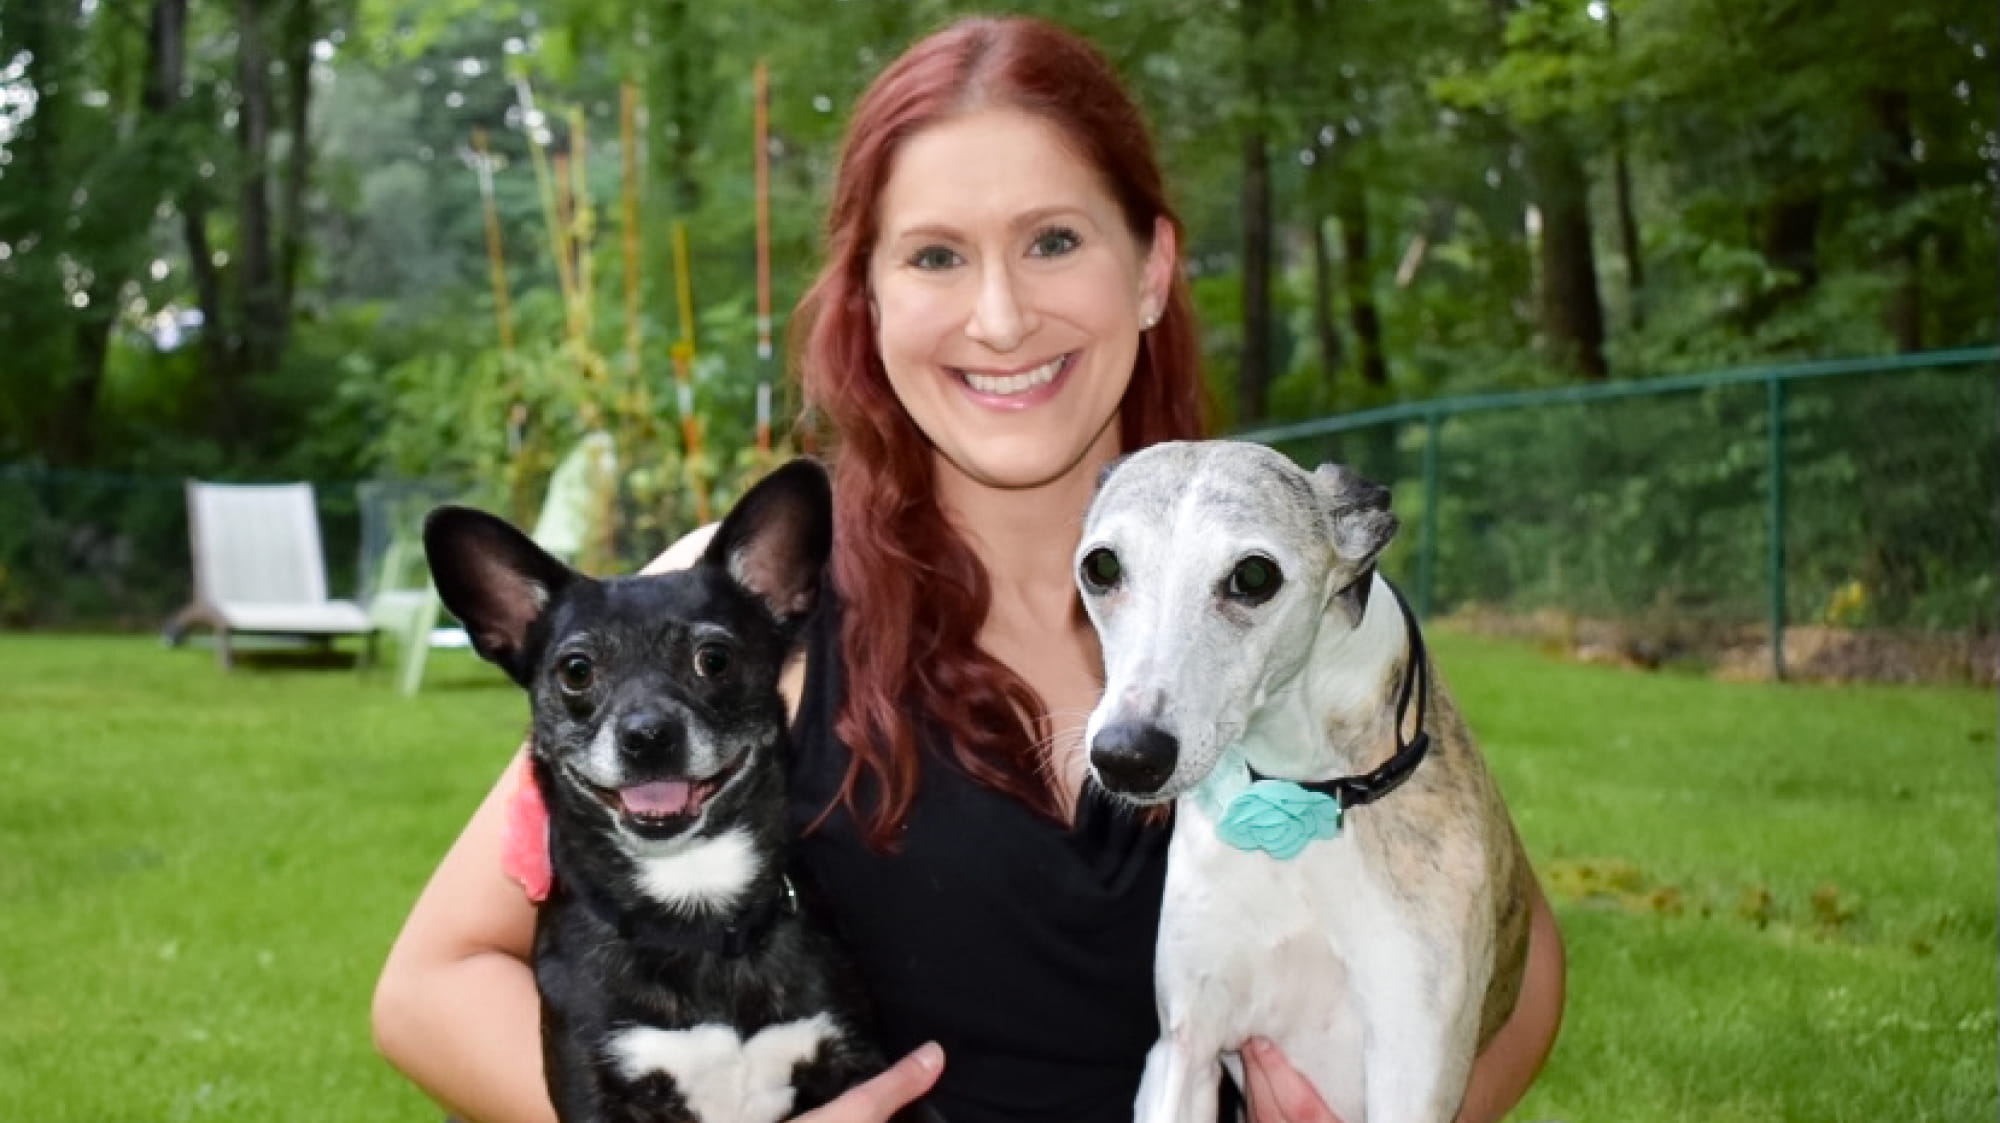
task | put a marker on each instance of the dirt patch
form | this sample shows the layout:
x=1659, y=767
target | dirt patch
x=1819, y=653
x=1813, y=652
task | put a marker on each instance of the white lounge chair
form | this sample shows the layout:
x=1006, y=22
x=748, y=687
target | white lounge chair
x=258, y=567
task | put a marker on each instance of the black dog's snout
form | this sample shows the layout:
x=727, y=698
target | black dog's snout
x=1134, y=757
x=650, y=734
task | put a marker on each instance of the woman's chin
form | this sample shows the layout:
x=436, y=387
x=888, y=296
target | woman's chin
x=1030, y=464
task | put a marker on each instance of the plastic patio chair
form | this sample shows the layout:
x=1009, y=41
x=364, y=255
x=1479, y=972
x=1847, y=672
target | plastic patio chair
x=259, y=568
x=569, y=519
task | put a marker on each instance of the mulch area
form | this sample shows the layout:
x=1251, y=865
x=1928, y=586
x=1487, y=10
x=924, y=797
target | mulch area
x=1813, y=652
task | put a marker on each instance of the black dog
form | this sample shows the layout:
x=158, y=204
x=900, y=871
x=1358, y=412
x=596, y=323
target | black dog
x=679, y=980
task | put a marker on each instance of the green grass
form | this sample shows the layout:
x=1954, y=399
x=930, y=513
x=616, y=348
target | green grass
x=1779, y=901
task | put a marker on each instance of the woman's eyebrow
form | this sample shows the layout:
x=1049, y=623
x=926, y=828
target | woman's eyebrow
x=1028, y=219
x=935, y=230
x=1041, y=215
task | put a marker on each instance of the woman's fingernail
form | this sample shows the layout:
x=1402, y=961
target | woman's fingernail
x=930, y=1057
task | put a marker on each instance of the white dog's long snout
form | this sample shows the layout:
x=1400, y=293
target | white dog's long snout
x=1134, y=758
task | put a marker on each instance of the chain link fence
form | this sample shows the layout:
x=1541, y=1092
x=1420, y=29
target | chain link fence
x=1826, y=520
x=1844, y=509
x=99, y=550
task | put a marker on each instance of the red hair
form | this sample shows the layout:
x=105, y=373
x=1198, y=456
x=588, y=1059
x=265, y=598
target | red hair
x=909, y=644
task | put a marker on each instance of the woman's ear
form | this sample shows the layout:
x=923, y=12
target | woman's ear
x=1157, y=276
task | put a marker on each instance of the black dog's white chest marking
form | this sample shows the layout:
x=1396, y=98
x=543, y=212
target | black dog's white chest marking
x=709, y=873
x=720, y=1074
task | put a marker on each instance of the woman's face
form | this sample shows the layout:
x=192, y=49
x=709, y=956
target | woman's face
x=1008, y=296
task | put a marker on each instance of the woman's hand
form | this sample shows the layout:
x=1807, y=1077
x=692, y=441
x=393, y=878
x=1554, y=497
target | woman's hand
x=1278, y=1092
x=882, y=1097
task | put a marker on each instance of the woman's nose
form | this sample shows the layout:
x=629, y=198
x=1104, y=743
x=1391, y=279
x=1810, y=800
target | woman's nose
x=1001, y=317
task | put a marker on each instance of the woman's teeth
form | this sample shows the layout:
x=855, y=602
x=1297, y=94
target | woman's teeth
x=1015, y=383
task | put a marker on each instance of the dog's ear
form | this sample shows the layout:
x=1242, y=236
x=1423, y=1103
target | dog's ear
x=1357, y=513
x=775, y=541
x=495, y=580
x=1359, y=525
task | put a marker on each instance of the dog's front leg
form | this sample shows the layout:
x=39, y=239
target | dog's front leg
x=1179, y=1085
x=1418, y=1055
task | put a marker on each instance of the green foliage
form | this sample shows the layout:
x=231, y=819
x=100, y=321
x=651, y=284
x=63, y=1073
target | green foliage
x=1875, y=122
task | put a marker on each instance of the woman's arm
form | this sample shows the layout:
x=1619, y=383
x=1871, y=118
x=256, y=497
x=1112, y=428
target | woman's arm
x=1501, y=1075
x=455, y=1008
x=1511, y=1061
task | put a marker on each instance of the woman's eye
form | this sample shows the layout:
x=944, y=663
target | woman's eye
x=1254, y=580
x=1054, y=242
x=710, y=660
x=1101, y=570
x=934, y=257
x=575, y=673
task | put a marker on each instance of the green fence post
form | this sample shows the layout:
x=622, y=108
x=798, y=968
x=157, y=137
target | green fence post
x=1427, y=540
x=1775, y=399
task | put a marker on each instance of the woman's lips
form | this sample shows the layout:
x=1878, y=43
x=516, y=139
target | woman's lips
x=1017, y=389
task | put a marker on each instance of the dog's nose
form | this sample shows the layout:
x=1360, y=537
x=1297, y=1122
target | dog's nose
x=649, y=734
x=1134, y=757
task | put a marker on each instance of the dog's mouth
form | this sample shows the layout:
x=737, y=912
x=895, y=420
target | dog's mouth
x=663, y=807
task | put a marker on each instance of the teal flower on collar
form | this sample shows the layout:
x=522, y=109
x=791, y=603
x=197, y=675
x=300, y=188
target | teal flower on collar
x=1280, y=817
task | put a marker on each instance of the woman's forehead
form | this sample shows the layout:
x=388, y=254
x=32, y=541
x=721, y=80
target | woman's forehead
x=991, y=166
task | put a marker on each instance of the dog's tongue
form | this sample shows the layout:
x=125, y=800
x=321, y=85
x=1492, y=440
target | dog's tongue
x=658, y=799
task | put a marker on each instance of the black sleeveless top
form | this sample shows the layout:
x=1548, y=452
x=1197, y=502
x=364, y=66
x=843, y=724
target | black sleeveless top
x=1024, y=948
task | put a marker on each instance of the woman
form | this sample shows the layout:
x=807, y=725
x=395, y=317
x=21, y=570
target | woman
x=1000, y=315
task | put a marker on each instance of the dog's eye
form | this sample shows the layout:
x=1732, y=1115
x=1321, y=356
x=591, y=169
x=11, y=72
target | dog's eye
x=710, y=660
x=1254, y=580
x=575, y=673
x=1101, y=569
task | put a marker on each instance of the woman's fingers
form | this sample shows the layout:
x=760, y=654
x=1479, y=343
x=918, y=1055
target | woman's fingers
x=1278, y=1092
x=878, y=1099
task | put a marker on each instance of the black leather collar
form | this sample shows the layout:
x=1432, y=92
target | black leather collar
x=1353, y=791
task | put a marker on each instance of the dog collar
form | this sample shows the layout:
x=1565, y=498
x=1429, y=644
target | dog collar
x=733, y=940
x=1282, y=816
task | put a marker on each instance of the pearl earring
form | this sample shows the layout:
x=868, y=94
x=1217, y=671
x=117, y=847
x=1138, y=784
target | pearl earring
x=1151, y=318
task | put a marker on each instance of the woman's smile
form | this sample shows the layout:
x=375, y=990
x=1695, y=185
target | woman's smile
x=1018, y=388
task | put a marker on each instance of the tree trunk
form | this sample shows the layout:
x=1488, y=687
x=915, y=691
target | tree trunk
x=1621, y=187
x=1571, y=314
x=298, y=51
x=1253, y=376
x=1903, y=314
x=257, y=281
x=1326, y=325
x=107, y=233
x=1787, y=232
x=1358, y=274
x=678, y=59
x=191, y=198
x=1628, y=232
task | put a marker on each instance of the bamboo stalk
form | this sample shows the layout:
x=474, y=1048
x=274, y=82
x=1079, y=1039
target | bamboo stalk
x=545, y=186
x=628, y=118
x=761, y=94
x=496, y=259
x=684, y=374
x=583, y=226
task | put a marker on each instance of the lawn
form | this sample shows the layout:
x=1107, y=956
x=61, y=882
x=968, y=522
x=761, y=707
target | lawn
x=1779, y=901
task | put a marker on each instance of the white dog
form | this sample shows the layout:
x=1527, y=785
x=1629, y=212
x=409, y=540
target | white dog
x=1343, y=878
